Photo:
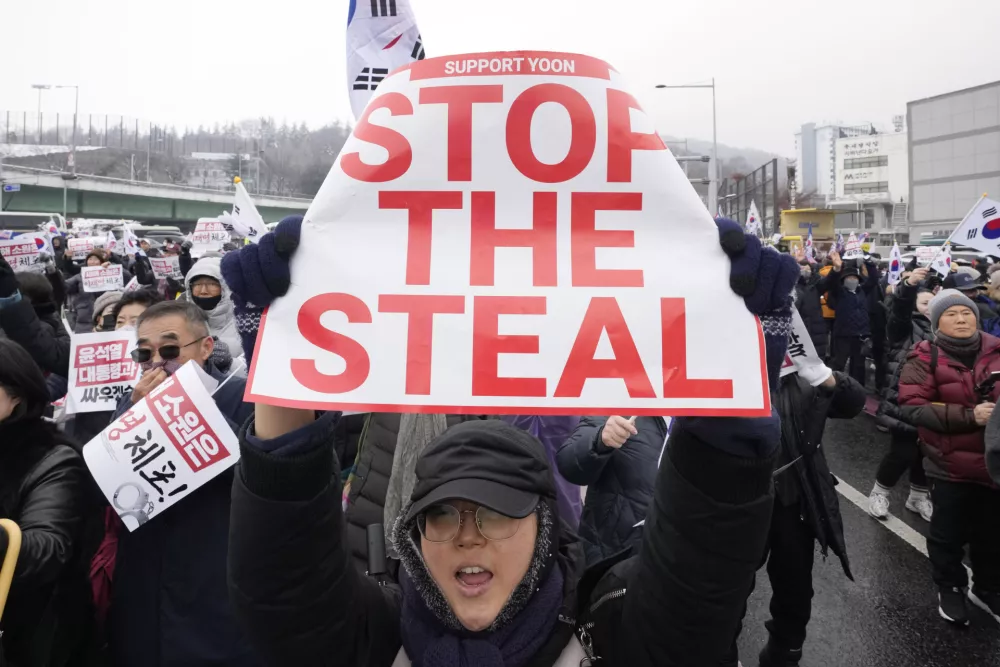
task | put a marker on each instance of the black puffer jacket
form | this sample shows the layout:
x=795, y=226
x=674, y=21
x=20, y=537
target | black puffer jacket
x=39, y=331
x=852, y=317
x=619, y=482
x=302, y=602
x=809, y=483
x=807, y=302
x=905, y=328
x=45, y=489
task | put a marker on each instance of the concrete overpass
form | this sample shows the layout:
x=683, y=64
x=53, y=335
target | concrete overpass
x=86, y=196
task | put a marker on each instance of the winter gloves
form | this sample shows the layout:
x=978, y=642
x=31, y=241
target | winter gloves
x=765, y=279
x=257, y=274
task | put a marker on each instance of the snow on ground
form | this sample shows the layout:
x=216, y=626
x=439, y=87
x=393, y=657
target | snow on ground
x=25, y=150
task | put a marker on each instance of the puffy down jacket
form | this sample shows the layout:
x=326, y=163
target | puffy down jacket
x=938, y=394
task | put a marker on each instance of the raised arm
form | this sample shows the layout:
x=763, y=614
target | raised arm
x=582, y=458
x=292, y=584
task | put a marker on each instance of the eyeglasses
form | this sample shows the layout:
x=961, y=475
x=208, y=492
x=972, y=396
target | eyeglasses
x=143, y=355
x=443, y=523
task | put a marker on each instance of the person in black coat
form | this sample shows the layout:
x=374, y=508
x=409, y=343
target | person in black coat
x=29, y=317
x=849, y=288
x=807, y=302
x=489, y=577
x=169, y=605
x=907, y=326
x=616, y=459
x=806, y=508
x=45, y=489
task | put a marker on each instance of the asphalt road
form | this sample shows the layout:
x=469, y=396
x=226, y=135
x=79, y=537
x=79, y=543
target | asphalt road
x=888, y=616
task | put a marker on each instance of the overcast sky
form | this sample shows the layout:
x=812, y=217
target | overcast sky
x=777, y=63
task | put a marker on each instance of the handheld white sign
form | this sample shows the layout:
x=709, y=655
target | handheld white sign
x=208, y=236
x=853, y=249
x=101, y=370
x=79, y=247
x=166, y=267
x=101, y=278
x=506, y=233
x=167, y=445
x=21, y=253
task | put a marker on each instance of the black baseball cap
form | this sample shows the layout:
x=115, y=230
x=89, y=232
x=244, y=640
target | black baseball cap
x=487, y=462
x=965, y=282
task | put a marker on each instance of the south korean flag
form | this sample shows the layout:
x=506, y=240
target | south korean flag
x=381, y=36
x=981, y=227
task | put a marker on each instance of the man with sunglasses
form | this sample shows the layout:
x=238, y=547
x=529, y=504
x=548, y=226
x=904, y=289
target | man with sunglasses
x=169, y=589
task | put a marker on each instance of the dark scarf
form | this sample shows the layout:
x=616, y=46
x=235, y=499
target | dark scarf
x=433, y=637
x=429, y=643
x=965, y=350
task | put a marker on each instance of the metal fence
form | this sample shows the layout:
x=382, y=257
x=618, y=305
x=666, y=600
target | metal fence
x=759, y=186
x=111, y=131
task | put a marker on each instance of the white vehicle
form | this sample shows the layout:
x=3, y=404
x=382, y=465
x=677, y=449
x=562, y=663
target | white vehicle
x=20, y=221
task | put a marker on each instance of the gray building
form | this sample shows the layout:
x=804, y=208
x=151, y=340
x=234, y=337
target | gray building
x=954, y=149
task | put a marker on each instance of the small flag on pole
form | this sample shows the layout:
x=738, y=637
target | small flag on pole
x=942, y=263
x=381, y=36
x=895, y=265
x=753, y=220
x=980, y=229
x=810, y=250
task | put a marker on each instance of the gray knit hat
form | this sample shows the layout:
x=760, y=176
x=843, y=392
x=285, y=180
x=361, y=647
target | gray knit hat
x=103, y=301
x=944, y=300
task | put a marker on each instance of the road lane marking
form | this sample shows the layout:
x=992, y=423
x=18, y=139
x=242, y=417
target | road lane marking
x=903, y=531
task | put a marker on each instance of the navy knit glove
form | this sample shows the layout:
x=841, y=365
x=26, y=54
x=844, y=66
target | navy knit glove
x=765, y=279
x=257, y=274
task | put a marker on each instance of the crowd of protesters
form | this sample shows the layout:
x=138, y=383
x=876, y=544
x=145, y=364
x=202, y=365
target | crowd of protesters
x=446, y=540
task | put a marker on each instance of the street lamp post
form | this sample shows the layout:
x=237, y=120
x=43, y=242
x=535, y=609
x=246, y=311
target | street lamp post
x=40, y=87
x=76, y=110
x=713, y=167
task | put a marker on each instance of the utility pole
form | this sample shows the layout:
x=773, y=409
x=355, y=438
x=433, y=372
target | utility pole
x=713, y=167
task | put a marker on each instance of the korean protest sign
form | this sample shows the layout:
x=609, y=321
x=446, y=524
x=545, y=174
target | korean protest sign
x=101, y=370
x=506, y=233
x=853, y=250
x=166, y=267
x=102, y=278
x=21, y=252
x=79, y=247
x=801, y=352
x=163, y=448
x=208, y=236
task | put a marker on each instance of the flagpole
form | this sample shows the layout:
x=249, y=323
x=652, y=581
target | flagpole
x=962, y=222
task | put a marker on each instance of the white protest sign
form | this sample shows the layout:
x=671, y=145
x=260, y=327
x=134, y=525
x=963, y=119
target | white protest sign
x=926, y=254
x=101, y=370
x=208, y=236
x=102, y=278
x=853, y=249
x=162, y=449
x=21, y=252
x=166, y=267
x=801, y=352
x=79, y=247
x=506, y=233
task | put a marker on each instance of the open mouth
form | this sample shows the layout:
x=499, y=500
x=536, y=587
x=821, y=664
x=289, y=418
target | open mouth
x=473, y=580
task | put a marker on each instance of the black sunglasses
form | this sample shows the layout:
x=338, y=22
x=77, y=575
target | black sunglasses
x=143, y=355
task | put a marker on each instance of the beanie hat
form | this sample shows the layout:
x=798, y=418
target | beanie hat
x=944, y=300
x=103, y=301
